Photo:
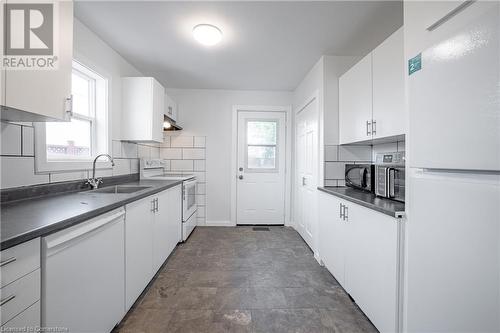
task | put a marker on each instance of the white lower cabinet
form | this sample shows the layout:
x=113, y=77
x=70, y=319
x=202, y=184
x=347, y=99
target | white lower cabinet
x=360, y=247
x=152, y=231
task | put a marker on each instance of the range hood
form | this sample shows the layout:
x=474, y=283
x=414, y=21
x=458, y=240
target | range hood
x=170, y=125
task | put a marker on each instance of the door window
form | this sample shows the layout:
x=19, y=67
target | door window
x=262, y=146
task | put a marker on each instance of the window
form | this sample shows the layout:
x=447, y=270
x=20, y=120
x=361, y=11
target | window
x=66, y=145
x=262, y=140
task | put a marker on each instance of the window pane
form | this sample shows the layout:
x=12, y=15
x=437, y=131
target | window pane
x=69, y=139
x=261, y=132
x=261, y=157
x=80, y=89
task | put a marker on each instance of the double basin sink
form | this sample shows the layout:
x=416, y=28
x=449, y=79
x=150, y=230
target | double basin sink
x=118, y=189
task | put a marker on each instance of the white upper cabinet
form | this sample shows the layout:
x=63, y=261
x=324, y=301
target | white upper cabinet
x=372, y=94
x=143, y=103
x=355, y=102
x=170, y=108
x=42, y=95
x=389, y=87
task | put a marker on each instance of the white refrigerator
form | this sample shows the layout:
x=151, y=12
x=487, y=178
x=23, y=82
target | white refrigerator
x=452, y=263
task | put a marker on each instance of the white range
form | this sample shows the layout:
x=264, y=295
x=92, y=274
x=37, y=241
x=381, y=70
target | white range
x=154, y=169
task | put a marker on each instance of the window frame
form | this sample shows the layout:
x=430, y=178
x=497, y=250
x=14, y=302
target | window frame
x=275, y=146
x=99, y=124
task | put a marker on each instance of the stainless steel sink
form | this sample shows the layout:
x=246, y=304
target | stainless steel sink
x=119, y=189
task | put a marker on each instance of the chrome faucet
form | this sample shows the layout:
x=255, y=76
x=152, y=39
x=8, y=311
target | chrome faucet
x=94, y=182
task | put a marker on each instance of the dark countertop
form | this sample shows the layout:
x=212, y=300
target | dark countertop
x=23, y=220
x=367, y=199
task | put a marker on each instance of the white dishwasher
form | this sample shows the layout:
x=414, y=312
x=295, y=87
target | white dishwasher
x=83, y=275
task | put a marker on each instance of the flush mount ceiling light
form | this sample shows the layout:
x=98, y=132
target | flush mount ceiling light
x=207, y=34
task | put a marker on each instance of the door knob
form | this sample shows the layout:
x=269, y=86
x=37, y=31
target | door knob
x=240, y=176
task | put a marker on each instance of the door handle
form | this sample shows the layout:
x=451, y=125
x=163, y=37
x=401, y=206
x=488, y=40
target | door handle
x=7, y=261
x=156, y=205
x=7, y=299
x=304, y=181
x=153, y=205
x=374, y=127
x=340, y=212
x=346, y=213
x=368, y=123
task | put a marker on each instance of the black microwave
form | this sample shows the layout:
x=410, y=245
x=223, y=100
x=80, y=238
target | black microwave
x=360, y=176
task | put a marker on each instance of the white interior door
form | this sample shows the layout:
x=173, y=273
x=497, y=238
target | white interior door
x=306, y=180
x=261, y=168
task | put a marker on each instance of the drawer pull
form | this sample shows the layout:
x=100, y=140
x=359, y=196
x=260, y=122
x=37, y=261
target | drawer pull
x=7, y=261
x=7, y=300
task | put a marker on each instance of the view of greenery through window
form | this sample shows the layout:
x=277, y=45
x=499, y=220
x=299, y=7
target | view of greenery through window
x=261, y=141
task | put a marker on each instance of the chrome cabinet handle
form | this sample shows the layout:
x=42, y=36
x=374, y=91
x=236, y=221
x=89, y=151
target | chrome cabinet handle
x=304, y=181
x=374, y=127
x=368, y=123
x=7, y=299
x=7, y=261
x=156, y=204
x=153, y=205
x=340, y=212
x=346, y=213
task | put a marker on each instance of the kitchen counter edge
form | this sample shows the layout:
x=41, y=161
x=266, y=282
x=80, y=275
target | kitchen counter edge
x=370, y=201
x=74, y=220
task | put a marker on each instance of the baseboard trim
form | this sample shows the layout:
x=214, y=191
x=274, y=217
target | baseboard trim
x=219, y=224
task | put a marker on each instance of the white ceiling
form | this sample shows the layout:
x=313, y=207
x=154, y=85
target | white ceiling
x=266, y=45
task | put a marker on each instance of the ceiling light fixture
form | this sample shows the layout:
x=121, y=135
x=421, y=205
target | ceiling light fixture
x=207, y=34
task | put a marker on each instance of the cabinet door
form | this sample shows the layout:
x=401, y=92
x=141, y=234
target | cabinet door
x=158, y=111
x=389, y=87
x=355, y=102
x=332, y=241
x=372, y=264
x=44, y=92
x=167, y=225
x=138, y=248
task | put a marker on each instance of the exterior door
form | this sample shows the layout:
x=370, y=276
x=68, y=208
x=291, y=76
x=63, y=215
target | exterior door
x=306, y=180
x=261, y=168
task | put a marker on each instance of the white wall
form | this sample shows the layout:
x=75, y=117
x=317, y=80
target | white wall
x=209, y=113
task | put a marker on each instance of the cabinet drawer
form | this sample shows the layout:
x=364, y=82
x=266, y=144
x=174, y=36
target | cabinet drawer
x=28, y=318
x=19, y=295
x=19, y=260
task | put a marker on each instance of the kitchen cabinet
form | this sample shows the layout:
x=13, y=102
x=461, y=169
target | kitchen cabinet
x=167, y=224
x=43, y=95
x=355, y=102
x=138, y=247
x=361, y=248
x=20, y=288
x=153, y=229
x=143, y=105
x=170, y=108
x=332, y=250
x=389, y=87
x=372, y=94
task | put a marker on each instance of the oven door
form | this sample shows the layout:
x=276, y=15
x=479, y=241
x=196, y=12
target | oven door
x=189, y=206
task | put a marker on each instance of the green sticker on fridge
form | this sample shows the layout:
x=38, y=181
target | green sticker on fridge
x=415, y=64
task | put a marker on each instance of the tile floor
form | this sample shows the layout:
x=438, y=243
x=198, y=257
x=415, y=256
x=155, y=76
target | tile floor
x=239, y=280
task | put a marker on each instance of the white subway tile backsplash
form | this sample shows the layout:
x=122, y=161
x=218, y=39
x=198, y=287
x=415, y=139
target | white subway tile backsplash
x=144, y=151
x=116, y=149
x=200, y=176
x=67, y=176
x=193, y=153
x=355, y=153
x=199, y=142
x=155, y=152
x=11, y=139
x=122, y=167
x=171, y=153
x=334, y=170
x=200, y=200
x=129, y=150
x=28, y=141
x=102, y=172
x=341, y=182
x=134, y=166
x=181, y=165
x=201, y=211
x=331, y=182
x=20, y=171
x=331, y=153
x=182, y=141
x=166, y=141
x=167, y=165
x=199, y=165
x=200, y=188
